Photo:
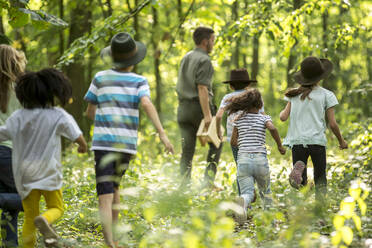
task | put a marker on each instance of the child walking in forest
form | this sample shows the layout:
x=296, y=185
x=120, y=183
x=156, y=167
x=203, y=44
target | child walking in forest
x=12, y=65
x=249, y=134
x=239, y=80
x=114, y=97
x=307, y=107
x=35, y=131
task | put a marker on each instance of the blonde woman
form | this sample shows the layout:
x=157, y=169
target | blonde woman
x=12, y=65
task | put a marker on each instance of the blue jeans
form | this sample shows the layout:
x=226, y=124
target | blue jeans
x=254, y=167
x=235, y=150
x=10, y=202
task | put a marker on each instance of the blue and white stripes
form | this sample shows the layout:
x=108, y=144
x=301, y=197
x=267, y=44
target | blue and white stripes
x=117, y=96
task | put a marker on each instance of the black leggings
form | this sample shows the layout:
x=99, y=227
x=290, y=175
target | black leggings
x=318, y=156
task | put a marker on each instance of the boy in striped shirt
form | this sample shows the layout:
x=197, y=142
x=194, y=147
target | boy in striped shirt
x=114, y=97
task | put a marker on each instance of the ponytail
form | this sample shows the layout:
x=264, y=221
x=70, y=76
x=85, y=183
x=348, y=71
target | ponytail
x=303, y=90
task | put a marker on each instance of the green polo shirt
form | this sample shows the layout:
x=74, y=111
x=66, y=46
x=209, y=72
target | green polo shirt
x=12, y=106
x=196, y=68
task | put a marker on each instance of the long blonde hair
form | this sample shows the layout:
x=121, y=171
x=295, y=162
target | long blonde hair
x=12, y=65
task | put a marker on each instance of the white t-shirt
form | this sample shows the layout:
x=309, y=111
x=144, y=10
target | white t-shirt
x=36, y=136
x=231, y=118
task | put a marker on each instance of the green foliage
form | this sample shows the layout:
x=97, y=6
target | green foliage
x=21, y=16
x=155, y=211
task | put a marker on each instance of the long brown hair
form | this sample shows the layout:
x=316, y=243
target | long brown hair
x=245, y=101
x=12, y=65
x=303, y=90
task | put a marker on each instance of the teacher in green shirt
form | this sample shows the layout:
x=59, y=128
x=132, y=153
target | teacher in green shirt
x=194, y=90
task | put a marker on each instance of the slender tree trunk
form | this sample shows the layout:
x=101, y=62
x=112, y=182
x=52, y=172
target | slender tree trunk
x=255, y=62
x=292, y=56
x=236, y=53
x=154, y=41
x=61, y=33
x=80, y=19
x=136, y=29
x=109, y=7
x=2, y=30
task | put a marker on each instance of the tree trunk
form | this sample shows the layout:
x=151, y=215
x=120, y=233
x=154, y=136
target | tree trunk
x=80, y=19
x=255, y=62
x=2, y=30
x=136, y=30
x=292, y=59
x=236, y=53
x=61, y=33
x=154, y=41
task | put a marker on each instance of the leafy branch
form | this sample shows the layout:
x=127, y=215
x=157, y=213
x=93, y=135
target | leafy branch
x=79, y=46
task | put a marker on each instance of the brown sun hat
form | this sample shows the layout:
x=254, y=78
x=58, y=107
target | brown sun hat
x=313, y=70
x=239, y=76
x=124, y=51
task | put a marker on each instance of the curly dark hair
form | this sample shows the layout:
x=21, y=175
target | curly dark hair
x=245, y=101
x=39, y=89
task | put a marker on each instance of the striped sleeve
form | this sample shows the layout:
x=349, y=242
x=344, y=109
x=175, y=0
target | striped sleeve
x=91, y=95
x=143, y=89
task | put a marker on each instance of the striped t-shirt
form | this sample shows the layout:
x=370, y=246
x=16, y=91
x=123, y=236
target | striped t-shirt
x=252, y=133
x=117, y=96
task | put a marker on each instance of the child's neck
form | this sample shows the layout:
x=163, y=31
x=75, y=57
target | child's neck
x=253, y=111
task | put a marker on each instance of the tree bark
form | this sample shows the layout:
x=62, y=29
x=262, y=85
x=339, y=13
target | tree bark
x=61, y=32
x=2, y=30
x=236, y=53
x=255, y=62
x=154, y=41
x=292, y=59
x=80, y=19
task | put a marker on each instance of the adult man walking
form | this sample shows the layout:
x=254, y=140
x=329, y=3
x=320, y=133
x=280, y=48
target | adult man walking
x=194, y=89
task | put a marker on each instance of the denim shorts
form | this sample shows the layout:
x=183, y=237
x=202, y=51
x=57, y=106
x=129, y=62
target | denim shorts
x=110, y=168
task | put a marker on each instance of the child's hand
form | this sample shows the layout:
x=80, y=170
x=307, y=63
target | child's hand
x=168, y=146
x=82, y=149
x=343, y=144
x=281, y=149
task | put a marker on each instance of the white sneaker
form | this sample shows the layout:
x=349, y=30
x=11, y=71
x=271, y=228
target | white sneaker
x=241, y=215
x=50, y=236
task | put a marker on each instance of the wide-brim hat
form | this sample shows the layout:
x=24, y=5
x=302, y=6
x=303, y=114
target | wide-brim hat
x=313, y=70
x=124, y=51
x=239, y=76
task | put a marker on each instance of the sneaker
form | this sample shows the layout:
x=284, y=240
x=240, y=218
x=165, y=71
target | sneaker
x=50, y=236
x=295, y=177
x=241, y=216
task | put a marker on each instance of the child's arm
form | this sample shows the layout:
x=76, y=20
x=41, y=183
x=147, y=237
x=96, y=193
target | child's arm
x=91, y=111
x=218, y=121
x=274, y=133
x=334, y=127
x=204, y=103
x=285, y=113
x=83, y=147
x=234, y=137
x=154, y=117
x=4, y=134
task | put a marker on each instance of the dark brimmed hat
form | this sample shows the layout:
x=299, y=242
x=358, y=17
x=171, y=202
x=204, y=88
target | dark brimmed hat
x=313, y=70
x=124, y=51
x=239, y=76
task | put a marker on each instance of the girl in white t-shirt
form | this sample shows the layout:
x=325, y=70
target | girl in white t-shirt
x=307, y=107
x=35, y=132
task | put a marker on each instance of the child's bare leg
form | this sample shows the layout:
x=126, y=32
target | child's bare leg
x=106, y=213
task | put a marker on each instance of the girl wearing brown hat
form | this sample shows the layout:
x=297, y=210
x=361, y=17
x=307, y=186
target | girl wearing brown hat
x=307, y=107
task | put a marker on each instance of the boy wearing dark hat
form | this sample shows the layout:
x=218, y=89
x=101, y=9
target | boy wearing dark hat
x=114, y=97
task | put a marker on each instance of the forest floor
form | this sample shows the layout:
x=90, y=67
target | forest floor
x=156, y=212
